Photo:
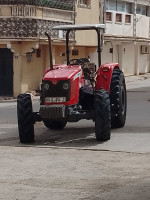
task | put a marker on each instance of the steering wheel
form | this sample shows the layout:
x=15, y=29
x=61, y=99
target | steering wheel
x=76, y=62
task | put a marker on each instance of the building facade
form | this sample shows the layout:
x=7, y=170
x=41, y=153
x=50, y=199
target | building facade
x=24, y=52
x=127, y=36
x=23, y=44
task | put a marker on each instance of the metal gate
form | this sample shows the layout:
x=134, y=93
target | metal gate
x=6, y=72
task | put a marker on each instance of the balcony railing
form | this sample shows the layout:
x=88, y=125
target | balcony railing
x=25, y=11
x=59, y=4
x=47, y=13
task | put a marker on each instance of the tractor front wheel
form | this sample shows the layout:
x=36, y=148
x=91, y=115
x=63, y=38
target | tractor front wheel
x=102, y=115
x=56, y=125
x=118, y=99
x=25, y=118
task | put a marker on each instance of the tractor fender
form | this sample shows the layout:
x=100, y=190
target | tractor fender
x=104, y=75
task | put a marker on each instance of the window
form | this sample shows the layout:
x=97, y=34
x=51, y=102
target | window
x=121, y=6
x=144, y=49
x=118, y=6
x=113, y=5
x=75, y=52
x=108, y=16
x=128, y=19
x=141, y=10
x=107, y=5
x=128, y=7
x=85, y=2
x=118, y=17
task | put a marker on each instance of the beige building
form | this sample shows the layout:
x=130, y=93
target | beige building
x=23, y=45
x=24, y=52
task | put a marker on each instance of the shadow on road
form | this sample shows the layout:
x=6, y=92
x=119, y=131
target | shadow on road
x=71, y=136
x=74, y=135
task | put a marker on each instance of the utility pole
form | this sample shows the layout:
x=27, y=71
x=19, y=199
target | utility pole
x=136, y=67
x=102, y=8
x=134, y=20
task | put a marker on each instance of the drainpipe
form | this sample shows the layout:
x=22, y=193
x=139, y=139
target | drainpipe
x=136, y=62
x=104, y=11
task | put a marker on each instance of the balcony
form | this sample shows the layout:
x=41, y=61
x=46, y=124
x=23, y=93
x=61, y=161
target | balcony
x=58, y=4
x=21, y=21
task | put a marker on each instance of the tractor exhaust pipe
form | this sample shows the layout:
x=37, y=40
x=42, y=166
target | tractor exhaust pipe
x=50, y=50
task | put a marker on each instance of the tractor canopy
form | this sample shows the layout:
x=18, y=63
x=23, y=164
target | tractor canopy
x=69, y=28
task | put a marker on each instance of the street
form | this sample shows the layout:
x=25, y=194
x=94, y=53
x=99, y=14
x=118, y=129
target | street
x=134, y=137
x=71, y=164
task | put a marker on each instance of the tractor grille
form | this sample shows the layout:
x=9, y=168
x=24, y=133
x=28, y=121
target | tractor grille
x=56, y=90
x=52, y=112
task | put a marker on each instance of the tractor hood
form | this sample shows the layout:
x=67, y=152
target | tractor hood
x=63, y=72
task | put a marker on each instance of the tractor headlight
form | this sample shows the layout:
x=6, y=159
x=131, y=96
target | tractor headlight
x=65, y=86
x=46, y=86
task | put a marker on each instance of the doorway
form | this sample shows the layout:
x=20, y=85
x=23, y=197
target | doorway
x=6, y=72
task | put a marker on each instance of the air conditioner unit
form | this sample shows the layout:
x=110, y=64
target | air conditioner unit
x=144, y=49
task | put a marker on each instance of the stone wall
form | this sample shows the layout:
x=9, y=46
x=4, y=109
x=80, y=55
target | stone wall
x=19, y=28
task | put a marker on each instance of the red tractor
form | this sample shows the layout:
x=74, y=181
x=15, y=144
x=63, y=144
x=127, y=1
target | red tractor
x=74, y=91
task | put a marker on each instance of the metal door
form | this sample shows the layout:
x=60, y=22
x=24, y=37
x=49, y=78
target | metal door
x=6, y=72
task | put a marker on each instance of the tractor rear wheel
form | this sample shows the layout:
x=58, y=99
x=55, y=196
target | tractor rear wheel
x=118, y=99
x=25, y=118
x=102, y=115
x=56, y=125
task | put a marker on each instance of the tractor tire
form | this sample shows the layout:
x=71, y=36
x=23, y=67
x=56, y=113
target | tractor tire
x=118, y=99
x=102, y=115
x=25, y=118
x=56, y=125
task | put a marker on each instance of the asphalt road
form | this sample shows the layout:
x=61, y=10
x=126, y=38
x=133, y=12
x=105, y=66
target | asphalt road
x=71, y=165
x=134, y=137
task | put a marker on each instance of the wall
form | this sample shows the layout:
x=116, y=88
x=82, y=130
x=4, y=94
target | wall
x=119, y=28
x=32, y=72
x=17, y=60
x=28, y=74
x=108, y=57
x=59, y=59
x=142, y=26
x=128, y=59
x=87, y=16
x=143, y=65
x=122, y=54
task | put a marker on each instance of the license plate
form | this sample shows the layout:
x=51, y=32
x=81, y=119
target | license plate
x=55, y=99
